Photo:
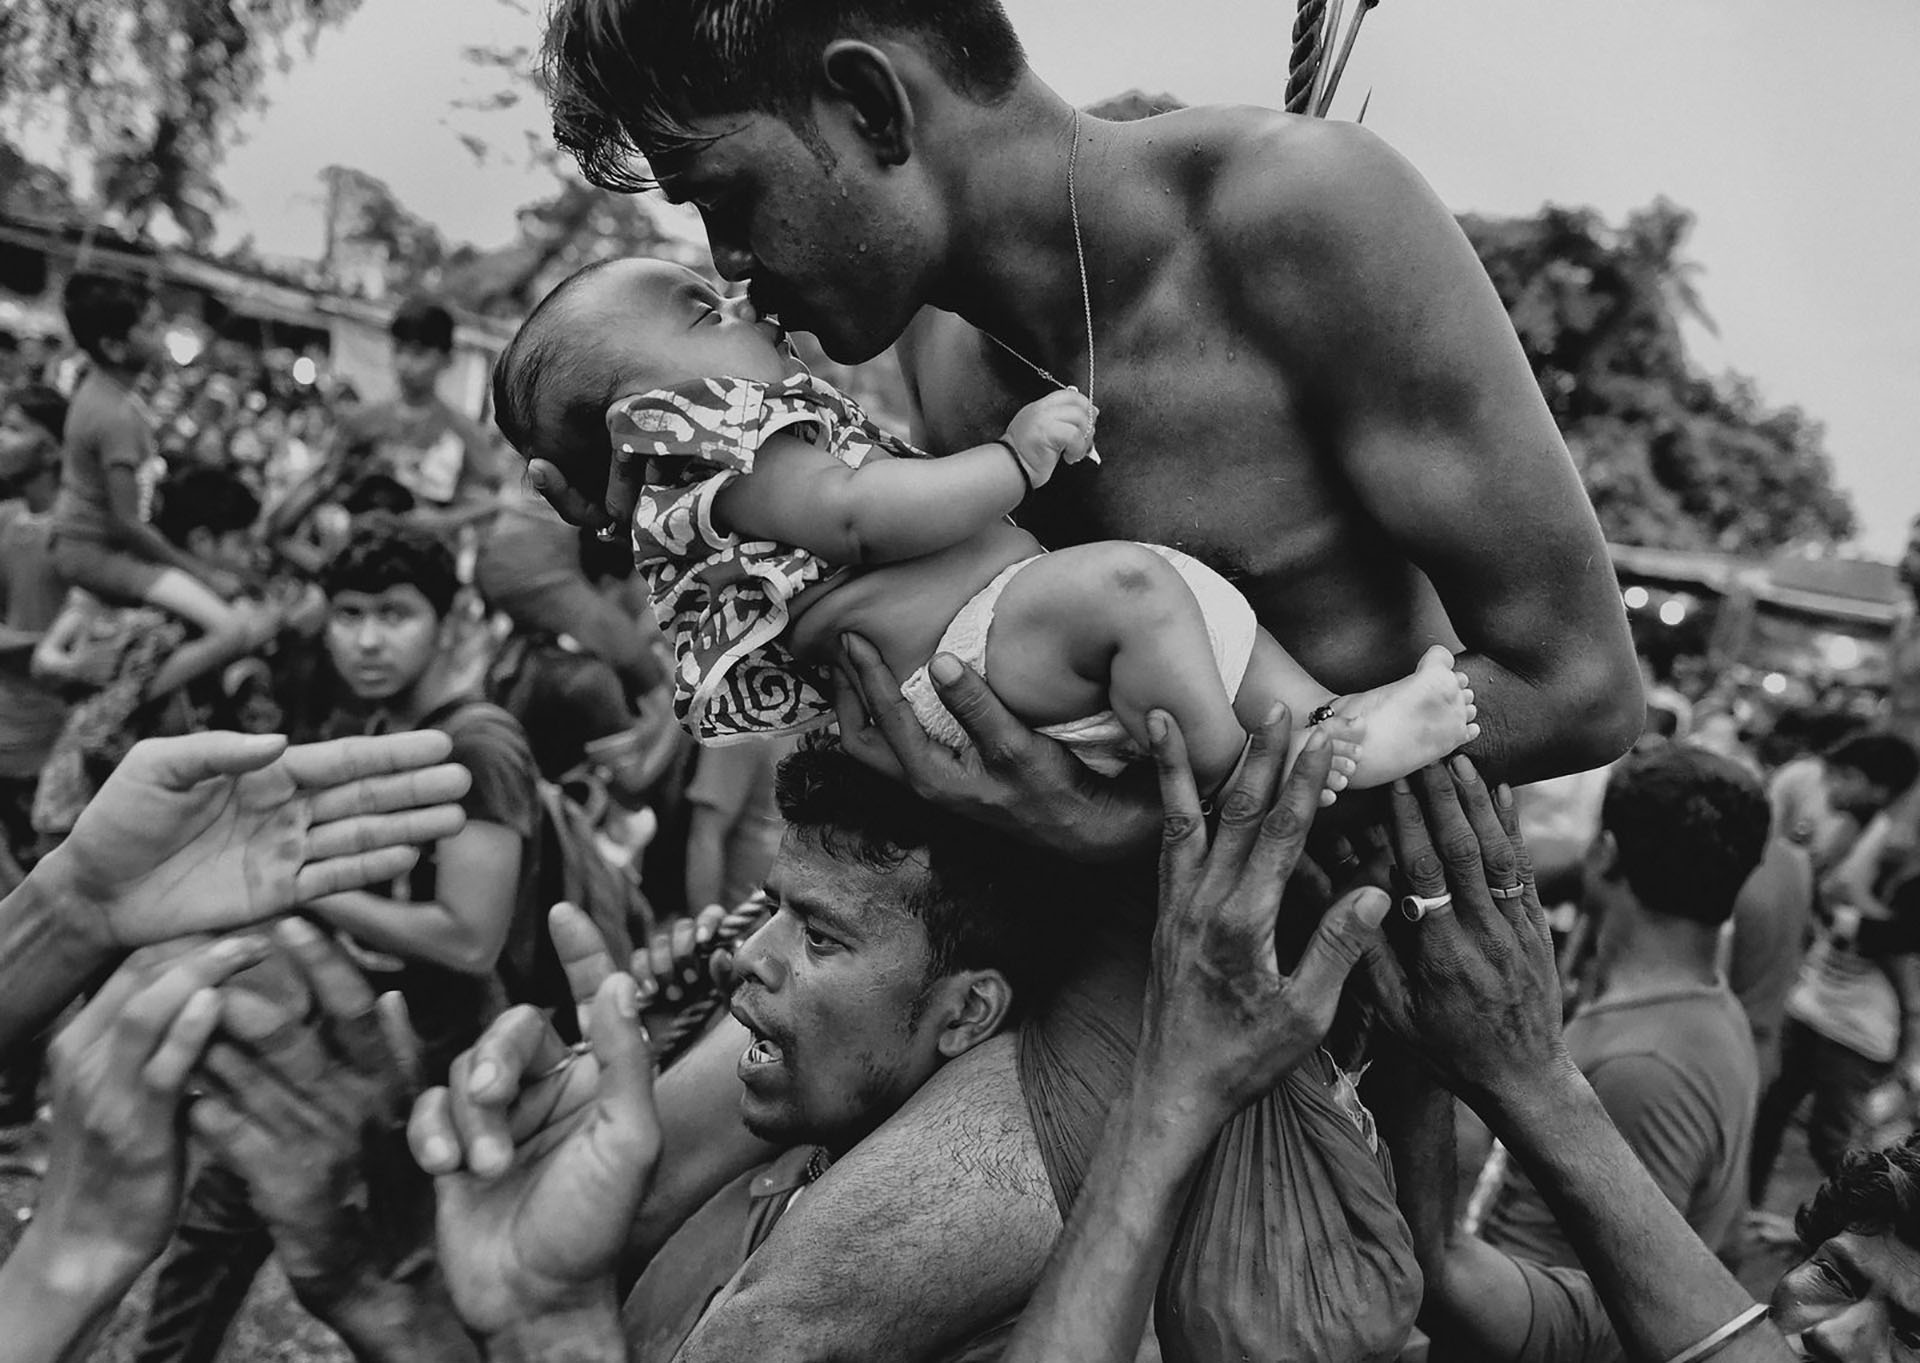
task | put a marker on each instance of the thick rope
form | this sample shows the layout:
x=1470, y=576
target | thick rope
x=691, y=1021
x=1308, y=22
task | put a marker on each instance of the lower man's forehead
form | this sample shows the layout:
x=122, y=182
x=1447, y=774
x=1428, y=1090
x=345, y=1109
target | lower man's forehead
x=404, y=595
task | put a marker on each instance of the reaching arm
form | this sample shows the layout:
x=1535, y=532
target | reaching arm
x=891, y=509
x=885, y=510
x=1434, y=418
x=1478, y=1000
x=478, y=875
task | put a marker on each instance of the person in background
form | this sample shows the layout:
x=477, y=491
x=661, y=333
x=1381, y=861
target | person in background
x=32, y=419
x=1824, y=802
x=1664, y=1042
x=31, y=711
x=438, y=453
x=1772, y=924
x=719, y=826
x=436, y=934
x=102, y=541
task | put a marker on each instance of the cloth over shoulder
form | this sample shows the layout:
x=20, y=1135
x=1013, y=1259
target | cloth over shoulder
x=723, y=602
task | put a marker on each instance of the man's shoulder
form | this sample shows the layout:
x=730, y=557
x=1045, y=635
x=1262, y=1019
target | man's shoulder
x=481, y=730
x=1287, y=179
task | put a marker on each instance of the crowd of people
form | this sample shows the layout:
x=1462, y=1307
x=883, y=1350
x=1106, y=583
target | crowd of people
x=370, y=908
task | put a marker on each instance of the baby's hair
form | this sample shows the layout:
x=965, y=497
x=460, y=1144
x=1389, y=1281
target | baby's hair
x=572, y=436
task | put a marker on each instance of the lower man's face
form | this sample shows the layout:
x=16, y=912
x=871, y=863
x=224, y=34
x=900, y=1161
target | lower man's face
x=831, y=990
x=1850, y=792
x=382, y=643
x=25, y=448
x=1856, y=1299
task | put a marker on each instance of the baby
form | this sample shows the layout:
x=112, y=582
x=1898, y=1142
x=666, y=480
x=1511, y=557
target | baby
x=777, y=516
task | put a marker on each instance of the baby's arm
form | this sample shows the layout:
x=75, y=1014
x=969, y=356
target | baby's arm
x=892, y=509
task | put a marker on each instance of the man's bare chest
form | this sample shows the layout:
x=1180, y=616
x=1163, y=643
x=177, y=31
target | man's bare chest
x=1203, y=448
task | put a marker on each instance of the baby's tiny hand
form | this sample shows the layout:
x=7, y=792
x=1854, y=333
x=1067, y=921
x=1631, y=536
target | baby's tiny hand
x=1058, y=428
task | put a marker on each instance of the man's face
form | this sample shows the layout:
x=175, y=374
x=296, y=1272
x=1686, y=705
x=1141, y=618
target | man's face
x=25, y=448
x=417, y=368
x=382, y=644
x=832, y=249
x=1856, y=1299
x=230, y=549
x=831, y=988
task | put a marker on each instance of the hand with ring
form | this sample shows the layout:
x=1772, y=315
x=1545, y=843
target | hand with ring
x=1470, y=985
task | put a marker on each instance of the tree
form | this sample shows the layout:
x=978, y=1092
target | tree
x=154, y=90
x=374, y=243
x=1671, y=458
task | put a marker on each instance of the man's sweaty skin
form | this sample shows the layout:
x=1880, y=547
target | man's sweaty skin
x=1306, y=380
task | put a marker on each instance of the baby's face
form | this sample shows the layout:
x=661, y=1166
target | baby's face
x=662, y=324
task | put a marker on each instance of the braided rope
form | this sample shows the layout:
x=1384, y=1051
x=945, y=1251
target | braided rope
x=693, y=1018
x=1309, y=20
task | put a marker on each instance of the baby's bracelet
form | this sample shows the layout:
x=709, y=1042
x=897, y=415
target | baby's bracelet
x=1019, y=462
x=1719, y=1338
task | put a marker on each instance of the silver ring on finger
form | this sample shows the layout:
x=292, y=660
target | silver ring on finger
x=1415, y=907
x=608, y=534
x=565, y=1062
x=1513, y=891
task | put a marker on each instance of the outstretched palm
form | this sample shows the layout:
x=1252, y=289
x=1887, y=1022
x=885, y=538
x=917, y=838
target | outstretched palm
x=212, y=831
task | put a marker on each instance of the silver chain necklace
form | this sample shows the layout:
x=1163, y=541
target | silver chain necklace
x=1080, y=255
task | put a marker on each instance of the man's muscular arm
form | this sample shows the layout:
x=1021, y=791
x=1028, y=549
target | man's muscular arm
x=1360, y=283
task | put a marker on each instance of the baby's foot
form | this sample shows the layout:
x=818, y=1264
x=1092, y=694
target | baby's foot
x=1414, y=721
x=1343, y=733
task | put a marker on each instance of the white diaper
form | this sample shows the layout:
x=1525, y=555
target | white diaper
x=1100, y=741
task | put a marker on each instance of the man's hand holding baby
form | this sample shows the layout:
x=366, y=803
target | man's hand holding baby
x=1055, y=430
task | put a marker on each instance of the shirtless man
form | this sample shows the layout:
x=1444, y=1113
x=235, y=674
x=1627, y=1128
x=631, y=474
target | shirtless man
x=1304, y=379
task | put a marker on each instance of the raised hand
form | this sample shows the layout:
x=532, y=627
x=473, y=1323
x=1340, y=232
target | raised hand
x=212, y=831
x=112, y=1191
x=308, y=1104
x=541, y=1156
x=1225, y=1021
x=1010, y=778
x=1471, y=985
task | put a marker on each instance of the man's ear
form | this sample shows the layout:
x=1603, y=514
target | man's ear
x=862, y=78
x=1604, y=854
x=983, y=1000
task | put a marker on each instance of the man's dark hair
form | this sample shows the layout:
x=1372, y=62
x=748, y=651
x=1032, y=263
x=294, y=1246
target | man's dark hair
x=1690, y=827
x=41, y=405
x=423, y=322
x=387, y=553
x=988, y=901
x=627, y=77
x=1873, y=1192
x=572, y=435
x=378, y=493
x=200, y=498
x=102, y=308
x=1887, y=760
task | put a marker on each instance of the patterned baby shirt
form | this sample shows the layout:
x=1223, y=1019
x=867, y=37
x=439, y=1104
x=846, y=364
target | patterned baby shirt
x=723, y=602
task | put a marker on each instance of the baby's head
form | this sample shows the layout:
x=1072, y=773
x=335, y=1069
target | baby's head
x=616, y=328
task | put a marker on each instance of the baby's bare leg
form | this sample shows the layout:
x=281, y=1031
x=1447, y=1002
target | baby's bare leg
x=1113, y=626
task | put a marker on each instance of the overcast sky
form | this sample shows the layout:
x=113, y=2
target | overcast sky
x=1790, y=130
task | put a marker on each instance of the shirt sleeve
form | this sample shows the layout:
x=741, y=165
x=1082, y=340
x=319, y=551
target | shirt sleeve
x=1660, y=1118
x=125, y=441
x=1569, y=1324
x=696, y=438
x=503, y=789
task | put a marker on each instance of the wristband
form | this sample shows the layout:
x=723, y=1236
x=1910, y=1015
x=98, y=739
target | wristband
x=1034, y=478
x=1719, y=1337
